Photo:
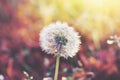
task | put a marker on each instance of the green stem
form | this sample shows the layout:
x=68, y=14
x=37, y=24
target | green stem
x=57, y=67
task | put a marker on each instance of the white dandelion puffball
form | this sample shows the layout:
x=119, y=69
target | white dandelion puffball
x=1, y=77
x=60, y=39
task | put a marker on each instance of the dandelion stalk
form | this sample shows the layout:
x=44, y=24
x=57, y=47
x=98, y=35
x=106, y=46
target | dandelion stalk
x=57, y=68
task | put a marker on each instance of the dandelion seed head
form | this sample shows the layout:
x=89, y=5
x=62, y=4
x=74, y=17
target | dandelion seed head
x=1, y=77
x=60, y=39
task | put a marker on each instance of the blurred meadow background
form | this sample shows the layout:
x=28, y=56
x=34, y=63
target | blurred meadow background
x=22, y=20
